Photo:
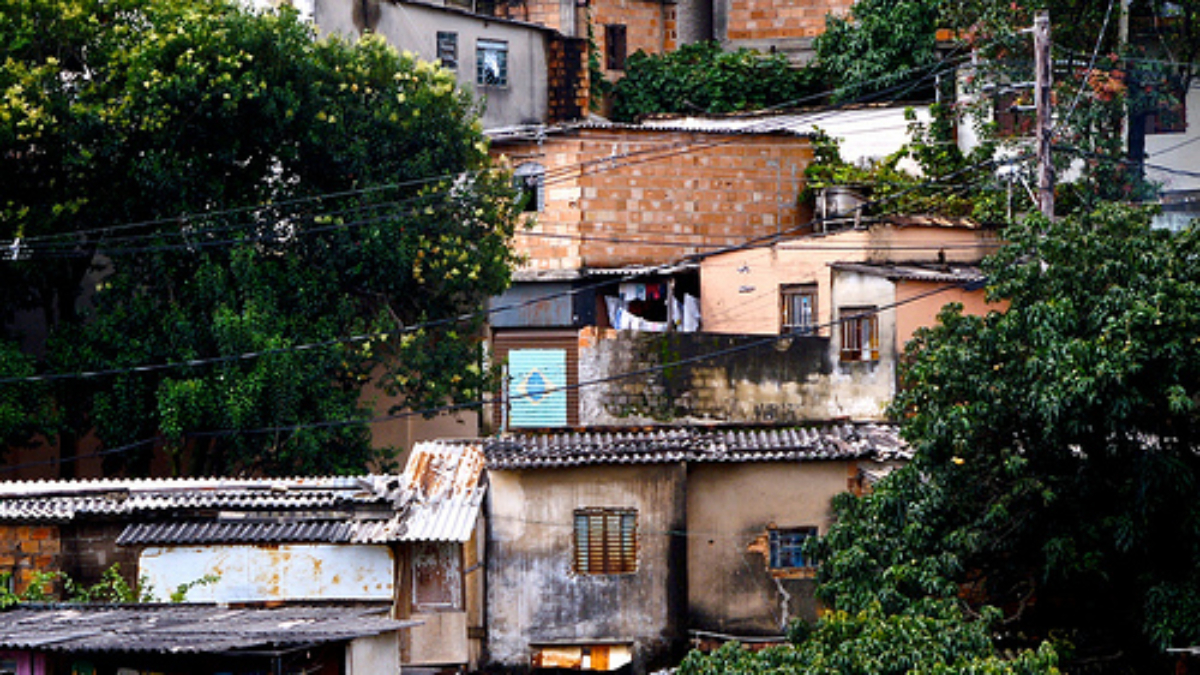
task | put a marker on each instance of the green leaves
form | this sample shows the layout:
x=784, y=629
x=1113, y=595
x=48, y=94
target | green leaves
x=701, y=78
x=262, y=201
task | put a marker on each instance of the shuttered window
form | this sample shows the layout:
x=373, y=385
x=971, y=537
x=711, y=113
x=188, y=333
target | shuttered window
x=605, y=541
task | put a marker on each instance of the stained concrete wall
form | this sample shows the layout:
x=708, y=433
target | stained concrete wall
x=731, y=507
x=534, y=596
x=753, y=380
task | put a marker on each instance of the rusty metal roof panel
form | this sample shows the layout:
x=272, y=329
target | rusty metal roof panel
x=185, y=629
x=683, y=444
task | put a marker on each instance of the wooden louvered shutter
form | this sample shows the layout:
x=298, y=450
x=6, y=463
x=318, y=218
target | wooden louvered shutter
x=605, y=541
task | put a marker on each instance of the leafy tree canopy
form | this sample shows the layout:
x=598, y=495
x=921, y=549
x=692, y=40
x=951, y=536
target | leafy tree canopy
x=193, y=182
x=1056, y=448
x=701, y=78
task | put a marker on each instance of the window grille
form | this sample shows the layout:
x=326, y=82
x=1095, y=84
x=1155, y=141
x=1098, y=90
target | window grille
x=605, y=541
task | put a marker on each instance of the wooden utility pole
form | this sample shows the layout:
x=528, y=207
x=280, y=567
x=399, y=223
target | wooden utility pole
x=1045, y=123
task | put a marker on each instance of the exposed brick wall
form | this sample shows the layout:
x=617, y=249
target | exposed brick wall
x=26, y=549
x=661, y=195
x=650, y=26
x=780, y=19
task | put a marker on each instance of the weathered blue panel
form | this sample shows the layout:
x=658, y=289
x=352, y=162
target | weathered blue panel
x=536, y=388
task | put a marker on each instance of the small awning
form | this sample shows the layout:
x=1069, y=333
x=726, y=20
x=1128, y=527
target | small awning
x=185, y=629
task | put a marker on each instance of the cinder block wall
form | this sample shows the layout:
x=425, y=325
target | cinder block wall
x=617, y=197
x=774, y=20
x=90, y=548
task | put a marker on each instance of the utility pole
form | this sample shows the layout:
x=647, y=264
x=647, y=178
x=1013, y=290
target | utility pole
x=1045, y=125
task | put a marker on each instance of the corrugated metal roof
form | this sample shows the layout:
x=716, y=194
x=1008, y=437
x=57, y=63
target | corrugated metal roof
x=185, y=629
x=932, y=272
x=436, y=499
x=687, y=444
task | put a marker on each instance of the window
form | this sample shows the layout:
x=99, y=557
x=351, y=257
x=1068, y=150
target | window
x=799, y=308
x=614, y=46
x=491, y=63
x=1014, y=114
x=605, y=541
x=447, y=49
x=860, y=333
x=787, y=547
x=529, y=181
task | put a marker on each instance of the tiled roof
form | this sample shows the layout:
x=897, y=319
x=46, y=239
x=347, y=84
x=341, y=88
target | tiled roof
x=184, y=629
x=689, y=444
x=436, y=499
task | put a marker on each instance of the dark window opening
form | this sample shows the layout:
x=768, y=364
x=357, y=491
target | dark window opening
x=447, y=49
x=614, y=46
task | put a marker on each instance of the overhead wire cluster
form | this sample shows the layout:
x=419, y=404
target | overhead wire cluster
x=134, y=242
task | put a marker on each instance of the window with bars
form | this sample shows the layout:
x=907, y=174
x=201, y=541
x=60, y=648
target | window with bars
x=860, y=333
x=605, y=541
x=1014, y=115
x=787, y=547
x=799, y=308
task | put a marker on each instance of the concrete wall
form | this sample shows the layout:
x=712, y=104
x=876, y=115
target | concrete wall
x=755, y=381
x=865, y=387
x=1168, y=154
x=413, y=26
x=535, y=597
x=374, y=655
x=740, y=291
x=618, y=194
x=731, y=588
x=769, y=25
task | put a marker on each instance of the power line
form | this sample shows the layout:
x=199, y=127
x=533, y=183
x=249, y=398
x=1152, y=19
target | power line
x=769, y=340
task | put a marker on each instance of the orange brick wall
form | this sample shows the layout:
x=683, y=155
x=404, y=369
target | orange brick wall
x=663, y=195
x=780, y=19
x=26, y=549
x=649, y=27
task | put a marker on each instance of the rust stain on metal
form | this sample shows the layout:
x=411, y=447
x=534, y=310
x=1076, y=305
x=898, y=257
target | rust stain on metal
x=439, y=471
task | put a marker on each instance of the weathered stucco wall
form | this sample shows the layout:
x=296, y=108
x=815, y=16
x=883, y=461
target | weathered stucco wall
x=535, y=597
x=756, y=381
x=731, y=588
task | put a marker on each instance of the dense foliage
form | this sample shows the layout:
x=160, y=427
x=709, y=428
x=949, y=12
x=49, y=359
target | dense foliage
x=881, y=44
x=193, y=182
x=701, y=78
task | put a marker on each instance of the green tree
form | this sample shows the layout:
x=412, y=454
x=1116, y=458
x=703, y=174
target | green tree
x=881, y=44
x=191, y=181
x=701, y=78
x=1056, y=447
